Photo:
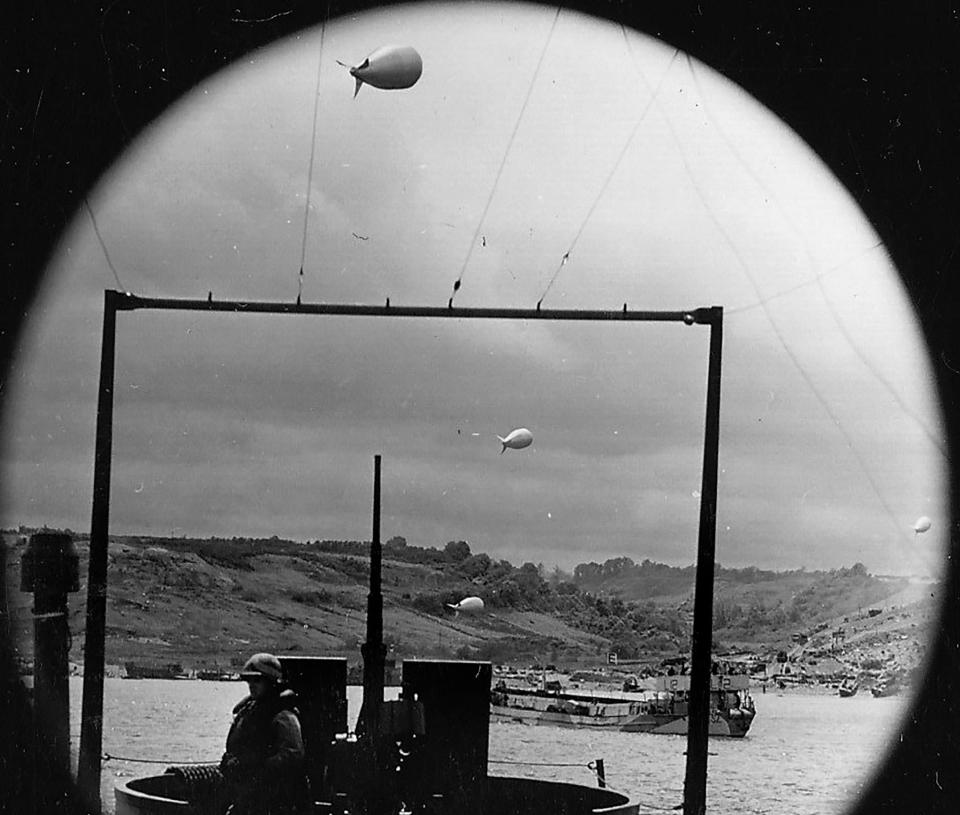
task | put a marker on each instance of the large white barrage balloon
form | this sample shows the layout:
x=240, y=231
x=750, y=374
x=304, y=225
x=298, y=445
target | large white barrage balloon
x=468, y=605
x=922, y=525
x=391, y=67
x=516, y=439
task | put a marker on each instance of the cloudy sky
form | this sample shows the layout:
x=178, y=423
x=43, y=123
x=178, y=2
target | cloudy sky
x=530, y=136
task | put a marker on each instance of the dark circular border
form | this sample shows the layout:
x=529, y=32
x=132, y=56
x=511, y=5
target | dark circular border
x=871, y=87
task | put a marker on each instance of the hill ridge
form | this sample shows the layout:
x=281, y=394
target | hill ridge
x=208, y=602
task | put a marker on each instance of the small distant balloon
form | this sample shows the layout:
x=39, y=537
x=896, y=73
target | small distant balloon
x=391, y=67
x=922, y=525
x=468, y=605
x=516, y=439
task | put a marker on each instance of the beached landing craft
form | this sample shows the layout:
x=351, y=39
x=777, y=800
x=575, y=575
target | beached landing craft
x=664, y=709
x=172, y=670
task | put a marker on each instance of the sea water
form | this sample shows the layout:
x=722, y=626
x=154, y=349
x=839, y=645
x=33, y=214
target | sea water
x=804, y=753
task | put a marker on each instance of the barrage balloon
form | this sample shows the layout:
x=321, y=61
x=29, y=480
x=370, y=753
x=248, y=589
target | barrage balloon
x=391, y=67
x=468, y=605
x=516, y=439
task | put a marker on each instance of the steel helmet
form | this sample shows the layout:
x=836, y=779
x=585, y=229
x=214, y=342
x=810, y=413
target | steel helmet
x=262, y=665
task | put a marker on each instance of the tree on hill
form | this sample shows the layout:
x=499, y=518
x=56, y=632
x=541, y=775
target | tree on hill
x=475, y=566
x=559, y=576
x=585, y=574
x=456, y=551
x=614, y=567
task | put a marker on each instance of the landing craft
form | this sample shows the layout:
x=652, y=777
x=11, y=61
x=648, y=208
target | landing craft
x=516, y=440
x=391, y=67
x=467, y=605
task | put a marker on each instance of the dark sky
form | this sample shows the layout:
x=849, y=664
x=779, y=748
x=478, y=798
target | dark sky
x=530, y=136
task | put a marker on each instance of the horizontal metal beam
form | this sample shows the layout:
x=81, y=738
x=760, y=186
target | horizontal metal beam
x=132, y=302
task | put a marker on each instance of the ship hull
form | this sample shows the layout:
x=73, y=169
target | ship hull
x=734, y=726
x=731, y=708
x=557, y=718
x=171, y=670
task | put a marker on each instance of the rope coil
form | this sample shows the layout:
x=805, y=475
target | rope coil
x=197, y=775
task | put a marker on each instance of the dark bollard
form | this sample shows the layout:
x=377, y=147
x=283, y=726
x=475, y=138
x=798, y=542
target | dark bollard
x=601, y=773
x=50, y=569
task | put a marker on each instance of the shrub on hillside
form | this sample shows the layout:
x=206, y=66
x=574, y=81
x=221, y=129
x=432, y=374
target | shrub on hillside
x=311, y=598
x=427, y=603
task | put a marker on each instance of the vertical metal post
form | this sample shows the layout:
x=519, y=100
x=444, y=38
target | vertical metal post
x=374, y=652
x=698, y=720
x=49, y=569
x=91, y=731
x=4, y=609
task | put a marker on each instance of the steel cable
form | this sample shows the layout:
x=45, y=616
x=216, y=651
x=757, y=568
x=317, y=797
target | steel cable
x=459, y=281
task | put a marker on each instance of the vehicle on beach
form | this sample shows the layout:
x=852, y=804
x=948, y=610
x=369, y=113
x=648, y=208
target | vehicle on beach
x=887, y=686
x=849, y=687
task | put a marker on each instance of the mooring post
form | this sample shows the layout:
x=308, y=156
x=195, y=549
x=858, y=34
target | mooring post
x=49, y=569
x=698, y=720
x=601, y=773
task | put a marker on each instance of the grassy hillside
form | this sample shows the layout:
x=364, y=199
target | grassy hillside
x=210, y=603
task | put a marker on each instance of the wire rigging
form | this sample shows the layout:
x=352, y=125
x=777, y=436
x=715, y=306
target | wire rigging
x=613, y=170
x=459, y=281
x=790, y=354
x=818, y=279
x=937, y=443
x=802, y=284
x=103, y=245
x=762, y=303
x=313, y=150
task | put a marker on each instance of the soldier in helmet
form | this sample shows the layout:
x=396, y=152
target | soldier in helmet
x=264, y=760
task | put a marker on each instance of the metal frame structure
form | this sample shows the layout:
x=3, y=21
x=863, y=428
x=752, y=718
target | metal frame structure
x=91, y=735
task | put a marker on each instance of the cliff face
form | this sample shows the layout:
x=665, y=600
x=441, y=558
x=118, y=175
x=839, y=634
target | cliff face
x=208, y=605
